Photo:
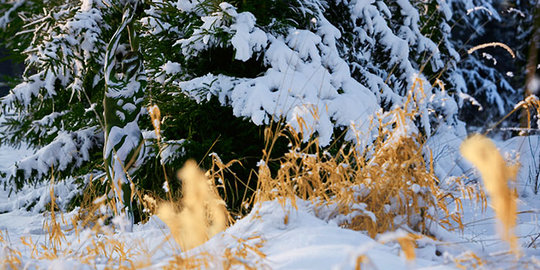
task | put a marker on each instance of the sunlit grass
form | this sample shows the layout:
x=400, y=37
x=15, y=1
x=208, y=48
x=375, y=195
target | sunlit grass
x=387, y=186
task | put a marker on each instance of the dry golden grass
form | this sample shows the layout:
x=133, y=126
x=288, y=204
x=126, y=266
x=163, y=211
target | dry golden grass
x=203, y=213
x=469, y=260
x=492, y=44
x=243, y=256
x=11, y=258
x=98, y=242
x=530, y=103
x=155, y=117
x=94, y=244
x=386, y=186
x=408, y=245
x=390, y=177
x=483, y=153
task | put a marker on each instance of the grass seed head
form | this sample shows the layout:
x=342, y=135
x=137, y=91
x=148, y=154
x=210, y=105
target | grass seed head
x=485, y=156
x=203, y=213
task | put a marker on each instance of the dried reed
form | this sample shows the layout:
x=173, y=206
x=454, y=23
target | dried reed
x=483, y=153
x=203, y=212
x=492, y=44
x=381, y=188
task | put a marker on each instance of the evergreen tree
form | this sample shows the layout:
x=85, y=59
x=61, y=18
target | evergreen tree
x=125, y=83
x=219, y=72
x=491, y=81
x=57, y=108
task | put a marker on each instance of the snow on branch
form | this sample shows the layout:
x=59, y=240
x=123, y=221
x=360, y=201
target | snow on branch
x=66, y=153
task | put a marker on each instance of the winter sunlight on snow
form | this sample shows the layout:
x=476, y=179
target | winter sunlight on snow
x=269, y=134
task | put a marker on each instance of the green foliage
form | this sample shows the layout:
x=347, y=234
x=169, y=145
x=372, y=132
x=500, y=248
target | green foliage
x=10, y=36
x=278, y=15
x=125, y=83
x=207, y=128
x=58, y=102
x=63, y=90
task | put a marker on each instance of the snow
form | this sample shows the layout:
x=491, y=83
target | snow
x=307, y=83
x=247, y=39
x=301, y=84
x=5, y=18
x=304, y=241
x=312, y=78
x=9, y=155
x=307, y=242
x=171, y=68
x=68, y=151
x=474, y=9
x=8, y=158
x=301, y=237
x=534, y=85
x=526, y=151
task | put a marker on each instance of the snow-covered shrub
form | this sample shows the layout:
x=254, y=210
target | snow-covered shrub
x=286, y=66
x=382, y=188
x=489, y=82
x=81, y=96
x=57, y=107
x=220, y=70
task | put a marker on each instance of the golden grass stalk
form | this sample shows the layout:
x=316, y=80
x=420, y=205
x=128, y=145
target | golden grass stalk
x=492, y=44
x=469, y=260
x=52, y=226
x=495, y=172
x=203, y=213
x=530, y=102
x=408, y=245
x=245, y=255
x=155, y=116
x=10, y=258
x=360, y=260
x=383, y=187
x=394, y=183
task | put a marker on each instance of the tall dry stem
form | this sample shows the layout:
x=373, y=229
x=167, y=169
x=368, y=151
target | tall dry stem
x=483, y=153
x=379, y=189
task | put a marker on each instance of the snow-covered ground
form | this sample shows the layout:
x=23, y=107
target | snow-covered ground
x=276, y=237
x=8, y=155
